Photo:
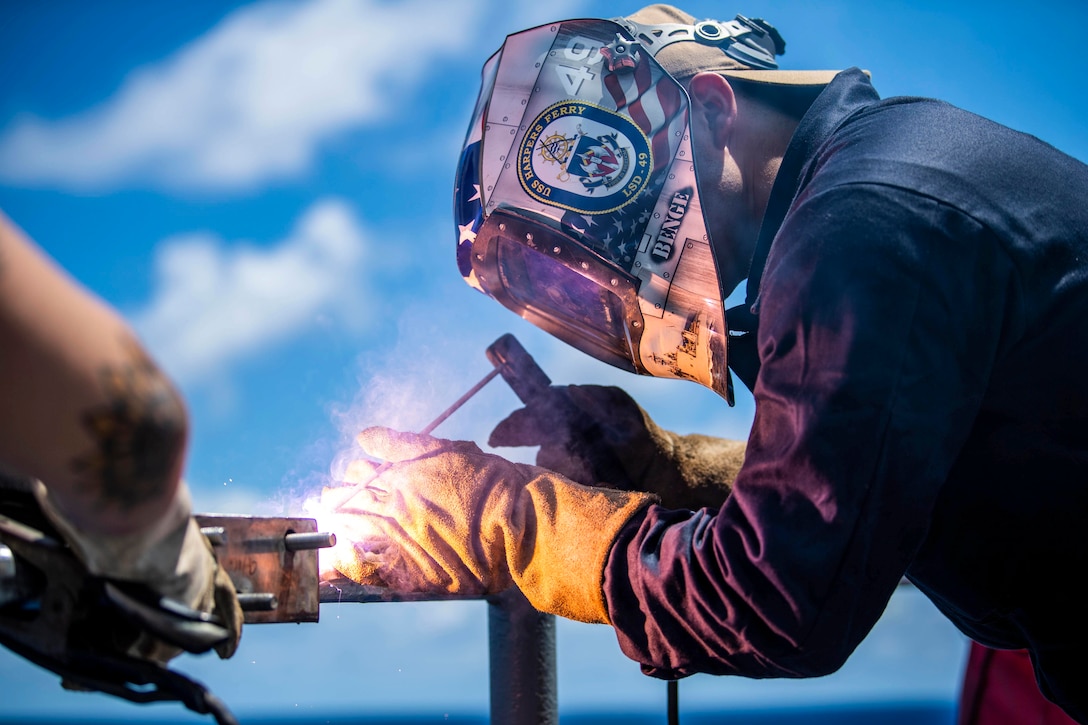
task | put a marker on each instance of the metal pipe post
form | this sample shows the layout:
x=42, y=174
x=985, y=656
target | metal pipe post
x=521, y=643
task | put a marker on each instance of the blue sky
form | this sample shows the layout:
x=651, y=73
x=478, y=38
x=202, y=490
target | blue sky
x=264, y=190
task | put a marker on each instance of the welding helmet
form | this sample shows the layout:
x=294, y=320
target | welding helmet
x=576, y=198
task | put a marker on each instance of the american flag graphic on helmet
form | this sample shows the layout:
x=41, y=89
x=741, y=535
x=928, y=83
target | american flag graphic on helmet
x=616, y=235
x=655, y=103
x=468, y=209
x=655, y=106
x=639, y=91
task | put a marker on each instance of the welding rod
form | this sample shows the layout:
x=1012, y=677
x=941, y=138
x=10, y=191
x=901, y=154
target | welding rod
x=428, y=429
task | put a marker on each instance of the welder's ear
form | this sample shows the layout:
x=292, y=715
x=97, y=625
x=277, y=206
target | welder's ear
x=713, y=107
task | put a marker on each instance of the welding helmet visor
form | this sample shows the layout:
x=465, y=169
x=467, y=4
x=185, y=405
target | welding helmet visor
x=577, y=205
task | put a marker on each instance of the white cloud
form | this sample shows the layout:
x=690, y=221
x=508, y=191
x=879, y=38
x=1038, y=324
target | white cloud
x=253, y=98
x=216, y=304
x=248, y=101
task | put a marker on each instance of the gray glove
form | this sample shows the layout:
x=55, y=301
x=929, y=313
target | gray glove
x=172, y=557
x=599, y=436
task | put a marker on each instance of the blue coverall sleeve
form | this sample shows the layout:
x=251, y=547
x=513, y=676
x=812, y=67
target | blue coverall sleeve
x=880, y=319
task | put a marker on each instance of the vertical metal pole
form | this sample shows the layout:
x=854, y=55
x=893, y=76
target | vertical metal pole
x=521, y=644
x=521, y=639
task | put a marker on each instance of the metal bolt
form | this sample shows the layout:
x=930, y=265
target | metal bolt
x=216, y=535
x=257, y=601
x=303, y=542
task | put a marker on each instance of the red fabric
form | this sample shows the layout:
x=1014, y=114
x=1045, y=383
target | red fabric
x=999, y=688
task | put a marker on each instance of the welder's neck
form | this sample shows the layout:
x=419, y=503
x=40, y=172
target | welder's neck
x=737, y=213
x=761, y=136
x=760, y=141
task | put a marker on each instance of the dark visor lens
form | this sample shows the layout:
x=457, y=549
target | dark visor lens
x=540, y=283
x=551, y=280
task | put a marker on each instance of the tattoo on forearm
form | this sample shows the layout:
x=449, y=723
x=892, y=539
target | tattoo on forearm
x=138, y=434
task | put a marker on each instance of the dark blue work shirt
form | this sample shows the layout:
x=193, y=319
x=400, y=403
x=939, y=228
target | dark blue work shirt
x=921, y=409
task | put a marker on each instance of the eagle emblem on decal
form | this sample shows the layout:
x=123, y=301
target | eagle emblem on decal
x=600, y=161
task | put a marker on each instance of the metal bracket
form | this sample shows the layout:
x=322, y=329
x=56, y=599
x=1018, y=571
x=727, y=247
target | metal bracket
x=753, y=42
x=272, y=562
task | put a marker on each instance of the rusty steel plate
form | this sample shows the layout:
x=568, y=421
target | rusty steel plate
x=254, y=550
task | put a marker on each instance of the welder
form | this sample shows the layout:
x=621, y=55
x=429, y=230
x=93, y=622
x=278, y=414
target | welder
x=94, y=428
x=914, y=334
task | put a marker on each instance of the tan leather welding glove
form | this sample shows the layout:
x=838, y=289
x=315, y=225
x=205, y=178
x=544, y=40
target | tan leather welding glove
x=446, y=517
x=172, y=557
x=599, y=435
